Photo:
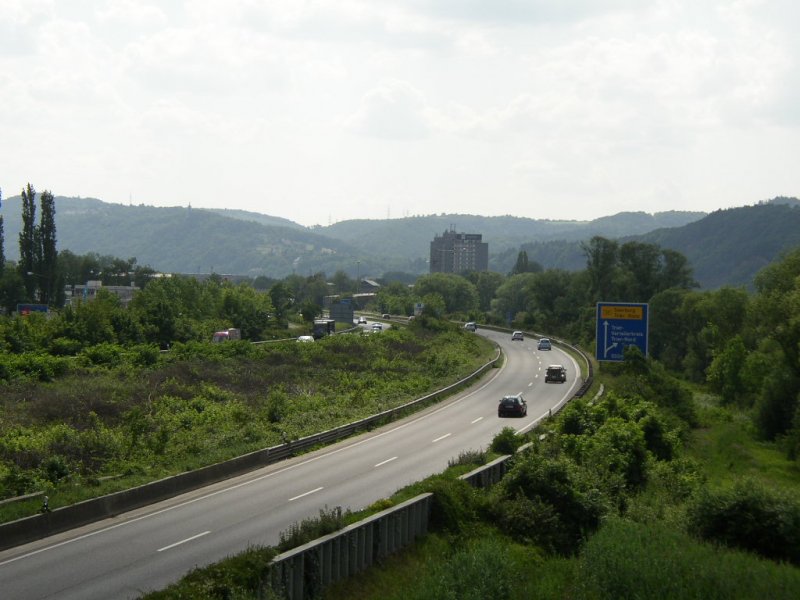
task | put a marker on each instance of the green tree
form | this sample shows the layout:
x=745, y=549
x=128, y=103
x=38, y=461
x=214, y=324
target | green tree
x=523, y=265
x=459, y=295
x=602, y=264
x=710, y=319
x=776, y=317
x=512, y=297
x=90, y=323
x=777, y=304
x=668, y=331
x=342, y=283
x=12, y=290
x=675, y=271
x=27, y=241
x=162, y=303
x=46, y=266
x=552, y=302
x=310, y=311
x=725, y=372
x=486, y=283
x=317, y=288
x=395, y=298
x=641, y=265
x=282, y=300
x=247, y=309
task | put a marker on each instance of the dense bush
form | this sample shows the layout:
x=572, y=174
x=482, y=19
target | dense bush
x=328, y=521
x=36, y=366
x=506, y=441
x=135, y=409
x=549, y=501
x=750, y=517
x=619, y=438
x=242, y=576
x=469, y=457
x=454, y=504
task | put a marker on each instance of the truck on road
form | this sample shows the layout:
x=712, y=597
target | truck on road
x=323, y=327
x=226, y=335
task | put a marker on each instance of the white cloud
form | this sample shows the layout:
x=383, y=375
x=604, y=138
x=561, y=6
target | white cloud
x=394, y=110
x=130, y=13
x=456, y=105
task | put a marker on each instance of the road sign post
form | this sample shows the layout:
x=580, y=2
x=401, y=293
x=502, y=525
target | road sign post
x=619, y=325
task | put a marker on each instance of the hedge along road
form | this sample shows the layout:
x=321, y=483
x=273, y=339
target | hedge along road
x=147, y=549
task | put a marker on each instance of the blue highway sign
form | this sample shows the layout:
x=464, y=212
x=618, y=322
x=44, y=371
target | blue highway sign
x=620, y=325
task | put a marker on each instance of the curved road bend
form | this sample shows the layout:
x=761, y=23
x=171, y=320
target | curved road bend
x=147, y=549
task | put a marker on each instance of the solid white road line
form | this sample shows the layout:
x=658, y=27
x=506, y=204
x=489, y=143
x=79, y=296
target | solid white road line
x=388, y=460
x=194, y=537
x=441, y=437
x=314, y=491
x=476, y=420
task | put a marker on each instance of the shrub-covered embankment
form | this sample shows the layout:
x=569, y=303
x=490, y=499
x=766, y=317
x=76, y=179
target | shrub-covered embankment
x=115, y=417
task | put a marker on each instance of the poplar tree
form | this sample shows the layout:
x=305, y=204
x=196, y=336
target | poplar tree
x=37, y=248
x=47, y=254
x=27, y=241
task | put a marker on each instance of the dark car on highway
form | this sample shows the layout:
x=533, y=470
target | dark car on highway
x=555, y=373
x=512, y=406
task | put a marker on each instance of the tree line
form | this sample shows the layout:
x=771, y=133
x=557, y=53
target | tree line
x=743, y=345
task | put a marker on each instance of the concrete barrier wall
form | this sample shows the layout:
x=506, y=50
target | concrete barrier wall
x=36, y=527
x=306, y=570
x=488, y=474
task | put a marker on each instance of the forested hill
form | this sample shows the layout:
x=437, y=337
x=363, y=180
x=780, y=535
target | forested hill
x=727, y=247
x=187, y=240
x=184, y=240
x=410, y=237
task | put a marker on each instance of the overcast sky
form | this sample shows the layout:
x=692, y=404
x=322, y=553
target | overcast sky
x=321, y=111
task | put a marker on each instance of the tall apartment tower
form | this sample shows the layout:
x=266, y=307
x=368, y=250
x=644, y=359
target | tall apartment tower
x=458, y=252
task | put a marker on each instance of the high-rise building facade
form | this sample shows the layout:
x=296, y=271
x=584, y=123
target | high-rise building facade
x=459, y=252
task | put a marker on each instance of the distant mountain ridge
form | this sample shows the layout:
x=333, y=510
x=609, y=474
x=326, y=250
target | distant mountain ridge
x=411, y=236
x=187, y=240
x=729, y=246
x=724, y=247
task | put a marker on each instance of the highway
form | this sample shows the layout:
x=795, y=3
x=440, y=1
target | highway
x=147, y=549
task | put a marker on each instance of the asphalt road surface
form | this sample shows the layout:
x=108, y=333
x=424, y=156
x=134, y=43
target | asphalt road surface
x=147, y=549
